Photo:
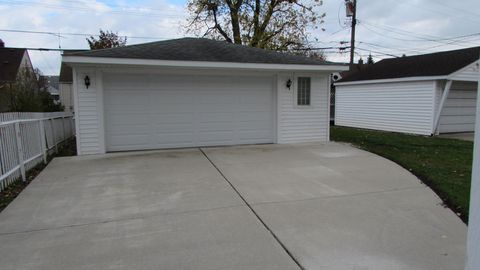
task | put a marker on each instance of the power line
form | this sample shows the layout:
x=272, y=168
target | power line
x=74, y=34
x=443, y=40
x=378, y=52
x=445, y=4
x=77, y=8
x=420, y=37
x=436, y=11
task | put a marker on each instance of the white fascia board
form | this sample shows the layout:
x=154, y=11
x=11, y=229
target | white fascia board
x=198, y=64
x=406, y=79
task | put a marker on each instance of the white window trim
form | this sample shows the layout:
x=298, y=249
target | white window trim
x=295, y=92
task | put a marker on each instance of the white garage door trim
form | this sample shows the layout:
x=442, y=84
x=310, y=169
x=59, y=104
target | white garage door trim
x=244, y=111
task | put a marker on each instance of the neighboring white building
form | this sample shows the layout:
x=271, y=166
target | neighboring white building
x=424, y=94
x=197, y=92
x=65, y=88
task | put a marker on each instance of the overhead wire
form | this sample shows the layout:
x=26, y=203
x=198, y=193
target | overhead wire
x=83, y=8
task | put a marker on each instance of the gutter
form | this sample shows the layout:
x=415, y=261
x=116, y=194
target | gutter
x=406, y=79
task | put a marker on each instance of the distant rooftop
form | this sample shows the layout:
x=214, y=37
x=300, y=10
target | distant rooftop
x=10, y=60
x=432, y=64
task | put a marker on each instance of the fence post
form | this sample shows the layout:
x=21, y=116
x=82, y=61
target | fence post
x=63, y=129
x=42, y=140
x=54, y=136
x=20, y=151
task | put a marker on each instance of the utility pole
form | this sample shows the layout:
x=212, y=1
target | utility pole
x=352, y=40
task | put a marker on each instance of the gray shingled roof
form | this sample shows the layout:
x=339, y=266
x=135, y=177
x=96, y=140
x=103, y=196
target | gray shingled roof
x=433, y=64
x=66, y=71
x=200, y=49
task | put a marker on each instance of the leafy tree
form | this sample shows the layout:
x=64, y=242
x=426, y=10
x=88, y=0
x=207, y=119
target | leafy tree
x=106, y=39
x=30, y=94
x=269, y=24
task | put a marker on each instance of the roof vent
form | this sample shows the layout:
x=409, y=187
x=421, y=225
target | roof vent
x=2, y=44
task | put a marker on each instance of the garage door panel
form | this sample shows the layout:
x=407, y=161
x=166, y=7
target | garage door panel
x=207, y=117
x=126, y=110
x=215, y=137
x=172, y=118
x=129, y=140
x=132, y=119
x=255, y=135
x=131, y=129
x=176, y=128
x=128, y=98
x=171, y=97
x=253, y=116
x=185, y=111
x=171, y=108
x=215, y=99
x=213, y=108
x=174, y=138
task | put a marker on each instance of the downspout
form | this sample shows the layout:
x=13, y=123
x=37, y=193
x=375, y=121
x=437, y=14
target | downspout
x=436, y=122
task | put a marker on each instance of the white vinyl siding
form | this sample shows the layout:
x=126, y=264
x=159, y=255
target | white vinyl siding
x=397, y=106
x=458, y=114
x=303, y=123
x=88, y=113
x=66, y=96
x=468, y=73
x=154, y=111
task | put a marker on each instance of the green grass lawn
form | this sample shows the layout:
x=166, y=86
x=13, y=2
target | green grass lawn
x=443, y=164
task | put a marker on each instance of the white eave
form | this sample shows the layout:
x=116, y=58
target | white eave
x=85, y=60
x=406, y=79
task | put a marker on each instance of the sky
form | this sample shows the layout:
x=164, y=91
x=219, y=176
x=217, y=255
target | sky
x=386, y=28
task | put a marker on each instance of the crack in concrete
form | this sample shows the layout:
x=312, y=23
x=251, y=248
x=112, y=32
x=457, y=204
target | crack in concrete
x=343, y=195
x=282, y=245
x=121, y=219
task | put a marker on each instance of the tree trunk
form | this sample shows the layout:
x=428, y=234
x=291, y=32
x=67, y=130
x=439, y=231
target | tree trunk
x=237, y=38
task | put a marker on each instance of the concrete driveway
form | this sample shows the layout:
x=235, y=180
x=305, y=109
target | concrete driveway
x=467, y=136
x=307, y=206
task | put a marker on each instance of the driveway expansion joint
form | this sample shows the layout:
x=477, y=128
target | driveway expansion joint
x=289, y=253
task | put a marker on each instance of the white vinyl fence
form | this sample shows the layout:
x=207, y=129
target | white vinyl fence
x=26, y=139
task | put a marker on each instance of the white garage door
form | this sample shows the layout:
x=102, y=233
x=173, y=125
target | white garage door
x=458, y=114
x=160, y=111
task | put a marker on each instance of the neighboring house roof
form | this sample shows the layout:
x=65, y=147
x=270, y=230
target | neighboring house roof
x=53, y=91
x=52, y=81
x=425, y=65
x=10, y=61
x=65, y=74
x=200, y=49
x=65, y=70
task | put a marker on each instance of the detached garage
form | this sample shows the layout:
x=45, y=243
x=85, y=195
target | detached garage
x=424, y=94
x=197, y=92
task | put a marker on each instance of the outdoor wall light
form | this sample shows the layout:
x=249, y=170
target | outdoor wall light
x=87, y=81
x=289, y=83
